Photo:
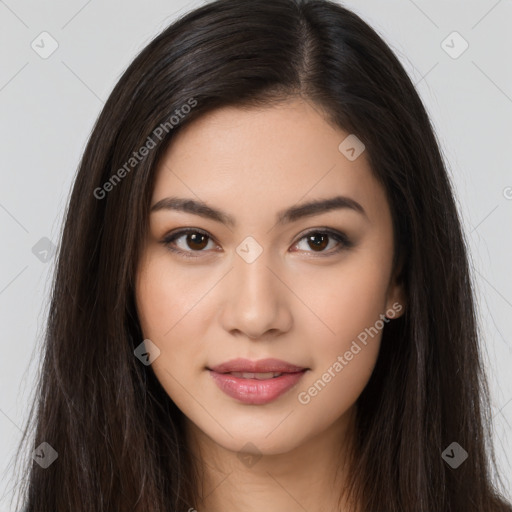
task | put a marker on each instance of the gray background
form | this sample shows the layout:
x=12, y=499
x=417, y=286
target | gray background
x=48, y=107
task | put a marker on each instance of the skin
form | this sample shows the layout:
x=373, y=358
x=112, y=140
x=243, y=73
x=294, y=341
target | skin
x=293, y=302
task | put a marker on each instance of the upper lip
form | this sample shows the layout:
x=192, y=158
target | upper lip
x=261, y=366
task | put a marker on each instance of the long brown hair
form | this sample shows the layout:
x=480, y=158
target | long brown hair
x=119, y=437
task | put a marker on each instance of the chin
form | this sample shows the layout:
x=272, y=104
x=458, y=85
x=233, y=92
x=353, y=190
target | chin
x=259, y=438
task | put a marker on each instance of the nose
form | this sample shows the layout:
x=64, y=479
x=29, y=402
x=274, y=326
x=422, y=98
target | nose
x=256, y=303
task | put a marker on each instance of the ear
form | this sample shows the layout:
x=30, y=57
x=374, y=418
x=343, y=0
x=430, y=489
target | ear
x=396, y=296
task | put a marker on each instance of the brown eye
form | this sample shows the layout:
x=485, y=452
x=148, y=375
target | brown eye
x=318, y=241
x=196, y=241
x=187, y=241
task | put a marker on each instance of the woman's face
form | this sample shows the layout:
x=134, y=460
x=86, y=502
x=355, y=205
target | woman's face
x=252, y=282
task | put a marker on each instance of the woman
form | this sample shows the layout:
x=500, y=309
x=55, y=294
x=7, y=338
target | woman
x=262, y=297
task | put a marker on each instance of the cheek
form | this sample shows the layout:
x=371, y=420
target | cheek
x=351, y=303
x=346, y=301
x=168, y=307
x=334, y=388
x=165, y=307
x=166, y=297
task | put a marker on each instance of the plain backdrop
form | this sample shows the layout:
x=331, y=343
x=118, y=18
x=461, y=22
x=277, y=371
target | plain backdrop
x=48, y=107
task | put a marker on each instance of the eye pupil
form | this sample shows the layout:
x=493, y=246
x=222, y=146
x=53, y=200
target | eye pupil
x=321, y=244
x=197, y=238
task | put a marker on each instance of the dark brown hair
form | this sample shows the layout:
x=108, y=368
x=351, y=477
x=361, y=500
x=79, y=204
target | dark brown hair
x=119, y=437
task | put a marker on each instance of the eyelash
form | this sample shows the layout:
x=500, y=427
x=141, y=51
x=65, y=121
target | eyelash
x=339, y=237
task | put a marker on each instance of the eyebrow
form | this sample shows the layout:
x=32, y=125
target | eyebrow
x=289, y=215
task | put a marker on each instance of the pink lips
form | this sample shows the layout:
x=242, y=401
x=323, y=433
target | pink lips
x=252, y=390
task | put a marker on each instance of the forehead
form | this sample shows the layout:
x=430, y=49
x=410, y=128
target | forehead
x=260, y=159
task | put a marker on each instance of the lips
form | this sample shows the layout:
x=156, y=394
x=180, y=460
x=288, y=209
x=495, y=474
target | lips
x=259, y=376
x=256, y=382
x=261, y=366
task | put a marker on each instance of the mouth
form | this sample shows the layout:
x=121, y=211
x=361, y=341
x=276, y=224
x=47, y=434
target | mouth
x=256, y=382
x=258, y=376
x=257, y=367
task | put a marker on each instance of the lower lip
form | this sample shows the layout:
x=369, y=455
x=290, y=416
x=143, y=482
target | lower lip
x=254, y=391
